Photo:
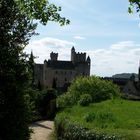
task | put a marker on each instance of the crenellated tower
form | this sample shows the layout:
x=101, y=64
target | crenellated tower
x=73, y=54
x=53, y=56
x=77, y=57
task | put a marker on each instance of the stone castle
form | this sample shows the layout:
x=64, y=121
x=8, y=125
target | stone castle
x=58, y=74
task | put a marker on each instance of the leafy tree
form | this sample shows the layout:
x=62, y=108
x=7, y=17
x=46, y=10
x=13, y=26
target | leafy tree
x=46, y=104
x=17, y=25
x=31, y=68
x=134, y=3
x=98, y=89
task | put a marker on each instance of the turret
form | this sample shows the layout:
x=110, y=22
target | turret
x=73, y=54
x=88, y=59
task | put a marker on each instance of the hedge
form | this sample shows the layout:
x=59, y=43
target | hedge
x=68, y=130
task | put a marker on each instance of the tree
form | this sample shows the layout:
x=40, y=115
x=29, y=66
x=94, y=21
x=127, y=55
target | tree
x=98, y=89
x=17, y=25
x=31, y=69
x=134, y=3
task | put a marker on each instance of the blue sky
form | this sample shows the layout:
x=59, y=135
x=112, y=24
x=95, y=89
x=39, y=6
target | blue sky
x=103, y=29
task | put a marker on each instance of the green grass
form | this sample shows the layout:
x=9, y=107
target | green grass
x=120, y=117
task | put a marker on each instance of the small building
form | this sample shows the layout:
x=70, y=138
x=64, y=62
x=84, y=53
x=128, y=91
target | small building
x=129, y=87
x=56, y=73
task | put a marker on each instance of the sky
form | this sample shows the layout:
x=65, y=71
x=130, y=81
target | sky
x=102, y=28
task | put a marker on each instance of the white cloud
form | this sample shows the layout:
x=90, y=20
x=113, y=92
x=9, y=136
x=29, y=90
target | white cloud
x=79, y=37
x=118, y=58
x=124, y=45
x=43, y=47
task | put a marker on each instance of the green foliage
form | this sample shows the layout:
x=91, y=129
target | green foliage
x=103, y=118
x=31, y=98
x=66, y=129
x=134, y=3
x=113, y=117
x=46, y=103
x=89, y=117
x=97, y=88
x=65, y=100
x=16, y=29
x=85, y=100
x=41, y=10
x=31, y=69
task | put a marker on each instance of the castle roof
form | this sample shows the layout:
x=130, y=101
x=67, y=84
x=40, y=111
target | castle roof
x=61, y=65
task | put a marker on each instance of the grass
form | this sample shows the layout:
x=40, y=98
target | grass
x=53, y=136
x=120, y=117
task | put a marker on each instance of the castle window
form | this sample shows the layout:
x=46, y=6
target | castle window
x=71, y=72
x=65, y=79
x=56, y=72
x=65, y=72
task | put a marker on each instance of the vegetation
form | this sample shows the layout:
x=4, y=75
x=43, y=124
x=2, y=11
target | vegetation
x=46, y=104
x=16, y=29
x=98, y=89
x=111, y=119
x=134, y=3
x=85, y=100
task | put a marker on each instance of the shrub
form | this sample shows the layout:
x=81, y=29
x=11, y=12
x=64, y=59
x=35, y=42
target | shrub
x=85, y=100
x=97, y=88
x=68, y=130
x=65, y=100
x=46, y=103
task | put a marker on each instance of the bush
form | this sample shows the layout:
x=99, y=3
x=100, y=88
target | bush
x=68, y=130
x=65, y=100
x=46, y=103
x=97, y=88
x=85, y=100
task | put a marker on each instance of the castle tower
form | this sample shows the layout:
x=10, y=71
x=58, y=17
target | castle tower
x=88, y=59
x=53, y=56
x=73, y=54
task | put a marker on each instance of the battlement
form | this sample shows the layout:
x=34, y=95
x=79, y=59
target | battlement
x=80, y=57
x=53, y=56
x=77, y=56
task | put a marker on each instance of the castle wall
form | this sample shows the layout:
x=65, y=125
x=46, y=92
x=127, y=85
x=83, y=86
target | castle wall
x=83, y=69
x=48, y=77
x=61, y=77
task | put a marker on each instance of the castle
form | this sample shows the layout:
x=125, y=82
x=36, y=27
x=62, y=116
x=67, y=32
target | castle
x=58, y=74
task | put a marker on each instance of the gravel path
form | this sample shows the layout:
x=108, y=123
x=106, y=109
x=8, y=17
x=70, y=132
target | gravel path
x=42, y=130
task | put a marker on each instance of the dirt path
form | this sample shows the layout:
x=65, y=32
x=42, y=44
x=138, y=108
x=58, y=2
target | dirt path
x=42, y=130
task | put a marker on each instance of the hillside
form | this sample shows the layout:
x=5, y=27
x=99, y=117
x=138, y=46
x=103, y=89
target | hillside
x=113, y=117
x=125, y=75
